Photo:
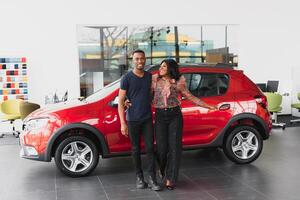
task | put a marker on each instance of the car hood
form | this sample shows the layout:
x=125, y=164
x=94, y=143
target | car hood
x=53, y=108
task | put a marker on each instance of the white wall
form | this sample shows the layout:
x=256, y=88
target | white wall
x=269, y=49
x=45, y=32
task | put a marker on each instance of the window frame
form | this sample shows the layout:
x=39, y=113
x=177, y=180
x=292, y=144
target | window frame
x=201, y=74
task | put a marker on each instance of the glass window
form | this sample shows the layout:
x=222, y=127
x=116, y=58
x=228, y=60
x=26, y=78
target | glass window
x=102, y=93
x=207, y=84
x=189, y=42
x=195, y=81
x=105, y=51
x=188, y=78
x=215, y=50
x=232, y=43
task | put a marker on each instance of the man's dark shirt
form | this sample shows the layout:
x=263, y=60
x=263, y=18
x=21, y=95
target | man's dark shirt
x=138, y=93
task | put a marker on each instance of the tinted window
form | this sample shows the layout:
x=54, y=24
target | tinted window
x=107, y=90
x=187, y=78
x=207, y=84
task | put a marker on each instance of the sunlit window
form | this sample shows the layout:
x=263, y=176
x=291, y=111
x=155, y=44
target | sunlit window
x=105, y=51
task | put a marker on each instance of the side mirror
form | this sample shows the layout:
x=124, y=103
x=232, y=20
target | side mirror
x=115, y=102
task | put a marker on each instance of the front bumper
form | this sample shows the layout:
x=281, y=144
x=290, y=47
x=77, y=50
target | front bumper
x=28, y=152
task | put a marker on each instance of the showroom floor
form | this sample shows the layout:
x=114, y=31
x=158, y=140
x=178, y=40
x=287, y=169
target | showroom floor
x=205, y=174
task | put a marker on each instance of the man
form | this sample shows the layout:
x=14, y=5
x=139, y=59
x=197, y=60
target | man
x=136, y=86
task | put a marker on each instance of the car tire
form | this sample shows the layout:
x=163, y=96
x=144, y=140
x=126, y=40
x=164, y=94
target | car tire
x=76, y=156
x=243, y=145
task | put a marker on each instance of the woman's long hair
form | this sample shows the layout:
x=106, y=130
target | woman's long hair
x=173, y=69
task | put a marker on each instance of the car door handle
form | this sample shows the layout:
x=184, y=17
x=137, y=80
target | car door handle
x=225, y=106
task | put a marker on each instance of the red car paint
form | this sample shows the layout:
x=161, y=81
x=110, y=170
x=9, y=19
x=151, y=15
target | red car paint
x=202, y=127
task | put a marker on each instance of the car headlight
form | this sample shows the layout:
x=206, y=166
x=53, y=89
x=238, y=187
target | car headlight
x=35, y=124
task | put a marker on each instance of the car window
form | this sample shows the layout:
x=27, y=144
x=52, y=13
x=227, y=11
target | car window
x=100, y=94
x=195, y=81
x=207, y=84
x=187, y=79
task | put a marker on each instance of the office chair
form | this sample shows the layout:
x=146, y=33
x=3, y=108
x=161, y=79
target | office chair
x=274, y=106
x=297, y=106
x=26, y=108
x=11, y=112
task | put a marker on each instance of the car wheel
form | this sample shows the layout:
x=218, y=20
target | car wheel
x=243, y=145
x=76, y=156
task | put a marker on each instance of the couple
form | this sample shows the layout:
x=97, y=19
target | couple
x=162, y=90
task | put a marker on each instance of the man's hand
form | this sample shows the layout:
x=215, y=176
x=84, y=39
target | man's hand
x=127, y=103
x=121, y=110
x=124, y=129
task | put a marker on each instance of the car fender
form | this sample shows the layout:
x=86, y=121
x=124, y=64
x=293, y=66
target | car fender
x=218, y=141
x=67, y=127
x=242, y=116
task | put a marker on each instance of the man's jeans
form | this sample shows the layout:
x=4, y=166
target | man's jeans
x=136, y=129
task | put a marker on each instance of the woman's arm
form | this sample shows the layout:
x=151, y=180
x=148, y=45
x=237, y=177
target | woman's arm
x=154, y=81
x=181, y=85
x=153, y=85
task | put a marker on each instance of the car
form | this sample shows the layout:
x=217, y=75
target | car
x=78, y=132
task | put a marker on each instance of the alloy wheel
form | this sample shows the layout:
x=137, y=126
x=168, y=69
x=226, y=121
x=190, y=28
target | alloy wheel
x=244, y=144
x=77, y=156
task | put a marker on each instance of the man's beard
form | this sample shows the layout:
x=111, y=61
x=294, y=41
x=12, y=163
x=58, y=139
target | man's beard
x=140, y=67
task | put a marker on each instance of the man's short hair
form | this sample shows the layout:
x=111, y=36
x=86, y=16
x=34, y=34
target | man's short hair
x=138, y=51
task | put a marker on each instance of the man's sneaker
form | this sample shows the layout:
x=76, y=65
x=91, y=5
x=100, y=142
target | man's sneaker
x=152, y=184
x=140, y=183
x=161, y=174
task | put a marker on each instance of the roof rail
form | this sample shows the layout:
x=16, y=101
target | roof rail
x=224, y=65
x=195, y=65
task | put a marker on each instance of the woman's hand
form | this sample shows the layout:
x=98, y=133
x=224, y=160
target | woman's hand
x=212, y=107
x=208, y=106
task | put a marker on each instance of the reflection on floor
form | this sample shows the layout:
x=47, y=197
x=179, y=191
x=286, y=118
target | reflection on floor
x=205, y=174
x=286, y=119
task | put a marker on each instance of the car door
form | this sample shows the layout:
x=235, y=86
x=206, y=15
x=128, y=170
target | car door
x=117, y=142
x=202, y=125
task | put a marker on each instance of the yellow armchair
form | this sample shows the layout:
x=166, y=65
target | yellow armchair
x=26, y=108
x=10, y=112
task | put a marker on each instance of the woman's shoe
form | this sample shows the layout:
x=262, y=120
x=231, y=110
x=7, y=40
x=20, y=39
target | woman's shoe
x=169, y=185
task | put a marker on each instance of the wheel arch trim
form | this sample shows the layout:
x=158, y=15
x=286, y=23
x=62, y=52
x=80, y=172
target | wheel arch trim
x=62, y=130
x=218, y=141
x=242, y=116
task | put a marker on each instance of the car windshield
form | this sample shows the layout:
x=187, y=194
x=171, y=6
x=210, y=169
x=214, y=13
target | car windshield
x=100, y=94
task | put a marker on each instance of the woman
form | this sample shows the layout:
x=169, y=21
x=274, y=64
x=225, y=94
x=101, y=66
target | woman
x=167, y=86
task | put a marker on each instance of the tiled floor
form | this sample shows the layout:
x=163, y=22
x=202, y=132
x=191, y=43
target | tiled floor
x=205, y=175
x=287, y=118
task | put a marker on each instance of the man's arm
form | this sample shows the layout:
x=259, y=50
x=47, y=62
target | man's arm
x=121, y=110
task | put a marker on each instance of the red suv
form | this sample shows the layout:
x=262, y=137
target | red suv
x=77, y=133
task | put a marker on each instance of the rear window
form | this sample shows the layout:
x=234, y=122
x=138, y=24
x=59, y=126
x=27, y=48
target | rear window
x=207, y=84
